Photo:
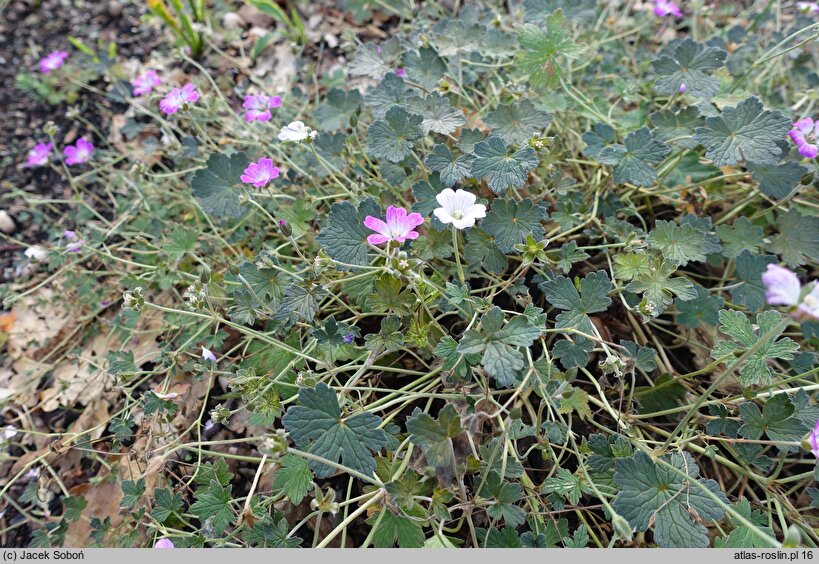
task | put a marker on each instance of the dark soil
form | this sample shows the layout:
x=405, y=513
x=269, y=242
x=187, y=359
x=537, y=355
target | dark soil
x=29, y=30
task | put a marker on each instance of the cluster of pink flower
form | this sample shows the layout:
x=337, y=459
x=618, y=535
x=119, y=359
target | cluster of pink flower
x=52, y=61
x=79, y=153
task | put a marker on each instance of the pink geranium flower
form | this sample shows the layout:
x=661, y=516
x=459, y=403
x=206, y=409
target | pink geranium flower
x=258, y=107
x=260, y=173
x=667, y=8
x=814, y=440
x=398, y=227
x=52, y=61
x=804, y=134
x=38, y=156
x=782, y=287
x=808, y=7
x=401, y=71
x=164, y=543
x=79, y=153
x=178, y=98
x=144, y=83
x=74, y=243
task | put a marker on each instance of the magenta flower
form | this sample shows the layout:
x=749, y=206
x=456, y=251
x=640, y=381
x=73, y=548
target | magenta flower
x=782, y=286
x=401, y=71
x=164, y=543
x=813, y=438
x=804, y=134
x=79, y=153
x=260, y=173
x=178, y=98
x=144, y=83
x=398, y=227
x=38, y=156
x=667, y=8
x=682, y=88
x=258, y=107
x=52, y=61
x=74, y=242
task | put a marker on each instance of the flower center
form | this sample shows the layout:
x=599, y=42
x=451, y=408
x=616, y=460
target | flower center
x=458, y=214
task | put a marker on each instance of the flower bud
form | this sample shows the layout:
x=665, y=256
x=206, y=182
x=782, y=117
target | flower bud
x=285, y=228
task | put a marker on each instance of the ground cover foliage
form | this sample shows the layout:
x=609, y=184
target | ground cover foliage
x=267, y=316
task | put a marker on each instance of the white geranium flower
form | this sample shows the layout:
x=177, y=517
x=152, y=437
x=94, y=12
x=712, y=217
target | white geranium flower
x=36, y=253
x=296, y=131
x=458, y=208
x=9, y=431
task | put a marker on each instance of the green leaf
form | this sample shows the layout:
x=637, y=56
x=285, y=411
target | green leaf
x=392, y=138
x=643, y=357
x=389, y=339
x=396, y=528
x=166, y=503
x=266, y=534
x=542, y=46
x=776, y=421
x=754, y=370
x=451, y=168
x=687, y=63
x=132, y=492
x=498, y=344
x=597, y=139
x=437, y=114
x=433, y=436
x=652, y=494
x=333, y=332
x=516, y=123
x=749, y=290
x=213, y=502
x=457, y=363
x=180, y=241
x=798, y=239
x=218, y=471
x=670, y=125
x=632, y=161
x=481, y=248
x=388, y=296
x=682, y=243
x=565, y=484
x=744, y=133
x=744, y=536
x=344, y=237
x=73, y=507
x=501, y=168
x=568, y=255
x=592, y=297
x=658, y=286
x=426, y=67
x=337, y=109
x=778, y=180
x=390, y=92
x=301, y=301
x=424, y=193
x=511, y=222
x=293, y=477
x=740, y=236
x=505, y=494
x=606, y=451
x=573, y=353
x=317, y=424
x=213, y=187
x=121, y=362
x=701, y=309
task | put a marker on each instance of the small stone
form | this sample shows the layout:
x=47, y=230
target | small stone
x=232, y=20
x=114, y=8
x=6, y=222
